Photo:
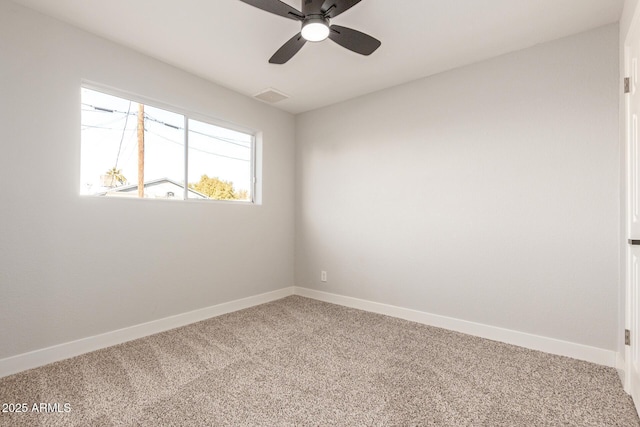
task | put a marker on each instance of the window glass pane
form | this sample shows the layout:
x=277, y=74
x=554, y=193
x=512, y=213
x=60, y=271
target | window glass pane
x=114, y=156
x=108, y=143
x=220, y=162
x=163, y=153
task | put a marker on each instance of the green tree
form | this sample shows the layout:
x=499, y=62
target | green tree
x=217, y=189
x=114, y=177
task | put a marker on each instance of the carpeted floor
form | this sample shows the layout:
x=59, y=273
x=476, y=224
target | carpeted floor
x=297, y=361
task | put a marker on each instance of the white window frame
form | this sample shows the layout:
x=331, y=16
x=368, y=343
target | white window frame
x=188, y=115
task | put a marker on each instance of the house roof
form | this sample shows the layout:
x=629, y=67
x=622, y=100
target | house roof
x=150, y=184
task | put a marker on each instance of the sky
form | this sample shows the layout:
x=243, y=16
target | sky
x=109, y=139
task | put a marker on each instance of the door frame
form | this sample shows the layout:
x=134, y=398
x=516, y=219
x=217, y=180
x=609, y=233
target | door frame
x=631, y=71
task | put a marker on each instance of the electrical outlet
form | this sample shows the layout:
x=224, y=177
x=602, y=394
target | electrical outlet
x=323, y=276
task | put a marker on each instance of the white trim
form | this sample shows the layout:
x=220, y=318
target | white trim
x=620, y=362
x=621, y=367
x=34, y=359
x=522, y=339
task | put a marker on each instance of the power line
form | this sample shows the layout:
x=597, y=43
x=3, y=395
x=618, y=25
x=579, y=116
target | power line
x=122, y=137
x=219, y=138
x=198, y=149
x=107, y=110
x=102, y=127
x=131, y=146
x=228, y=141
x=108, y=122
x=153, y=119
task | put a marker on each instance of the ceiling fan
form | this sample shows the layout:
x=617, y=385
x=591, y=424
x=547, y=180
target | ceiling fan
x=315, y=18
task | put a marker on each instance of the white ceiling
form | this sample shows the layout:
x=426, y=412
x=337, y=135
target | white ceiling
x=229, y=42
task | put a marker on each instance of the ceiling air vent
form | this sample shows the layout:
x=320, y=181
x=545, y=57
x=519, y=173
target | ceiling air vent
x=271, y=96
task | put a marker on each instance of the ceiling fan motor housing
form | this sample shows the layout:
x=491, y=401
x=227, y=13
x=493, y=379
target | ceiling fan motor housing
x=315, y=28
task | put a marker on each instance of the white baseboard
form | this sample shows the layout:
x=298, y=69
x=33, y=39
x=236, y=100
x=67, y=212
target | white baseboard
x=34, y=359
x=621, y=368
x=533, y=342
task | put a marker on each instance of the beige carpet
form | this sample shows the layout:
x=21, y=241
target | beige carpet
x=299, y=362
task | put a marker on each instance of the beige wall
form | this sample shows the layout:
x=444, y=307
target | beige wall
x=73, y=267
x=489, y=193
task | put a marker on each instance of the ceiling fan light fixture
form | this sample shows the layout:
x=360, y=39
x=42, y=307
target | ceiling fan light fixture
x=315, y=29
x=315, y=17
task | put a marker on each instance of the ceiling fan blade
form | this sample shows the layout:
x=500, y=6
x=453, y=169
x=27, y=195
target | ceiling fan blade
x=312, y=7
x=354, y=40
x=277, y=7
x=333, y=8
x=288, y=49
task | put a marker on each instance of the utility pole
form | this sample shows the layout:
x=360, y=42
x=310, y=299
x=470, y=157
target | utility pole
x=140, y=150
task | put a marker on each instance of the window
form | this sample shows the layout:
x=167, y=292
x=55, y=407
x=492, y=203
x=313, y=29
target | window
x=129, y=149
